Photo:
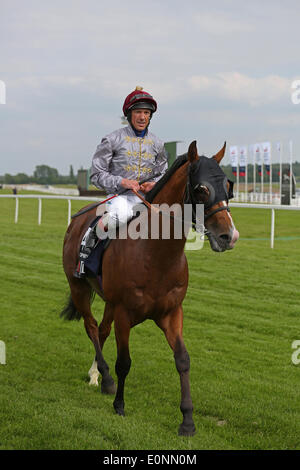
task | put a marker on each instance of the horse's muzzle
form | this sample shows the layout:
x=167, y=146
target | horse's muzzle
x=234, y=239
x=224, y=241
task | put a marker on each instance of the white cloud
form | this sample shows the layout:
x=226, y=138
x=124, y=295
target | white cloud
x=242, y=88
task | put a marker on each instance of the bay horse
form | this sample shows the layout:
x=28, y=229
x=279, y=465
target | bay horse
x=148, y=278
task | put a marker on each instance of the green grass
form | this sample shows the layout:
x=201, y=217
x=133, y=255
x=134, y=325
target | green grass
x=241, y=317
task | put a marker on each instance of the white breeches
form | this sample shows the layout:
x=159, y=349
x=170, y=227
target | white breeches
x=119, y=210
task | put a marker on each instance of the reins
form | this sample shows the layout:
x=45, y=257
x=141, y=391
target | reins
x=155, y=209
x=187, y=198
x=159, y=211
x=96, y=204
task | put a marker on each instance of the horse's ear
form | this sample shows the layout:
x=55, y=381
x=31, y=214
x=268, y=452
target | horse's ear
x=218, y=157
x=192, y=152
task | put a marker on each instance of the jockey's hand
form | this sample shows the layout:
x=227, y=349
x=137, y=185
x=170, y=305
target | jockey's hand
x=146, y=187
x=130, y=184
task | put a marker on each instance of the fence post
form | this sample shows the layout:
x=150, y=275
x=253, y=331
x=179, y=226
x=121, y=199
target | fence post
x=40, y=211
x=69, y=211
x=272, y=227
x=17, y=210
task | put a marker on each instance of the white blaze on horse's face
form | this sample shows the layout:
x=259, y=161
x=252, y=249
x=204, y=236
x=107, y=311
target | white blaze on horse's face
x=235, y=234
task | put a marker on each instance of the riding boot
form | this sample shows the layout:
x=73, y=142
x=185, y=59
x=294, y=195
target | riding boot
x=87, y=244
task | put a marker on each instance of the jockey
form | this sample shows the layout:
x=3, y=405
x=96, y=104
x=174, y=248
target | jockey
x=123, y=160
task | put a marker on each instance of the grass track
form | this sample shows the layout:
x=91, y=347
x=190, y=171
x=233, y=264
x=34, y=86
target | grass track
x=241, y=317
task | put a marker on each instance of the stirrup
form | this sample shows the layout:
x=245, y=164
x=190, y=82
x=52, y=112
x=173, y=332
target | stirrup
x=79, y=273
x=88, y=242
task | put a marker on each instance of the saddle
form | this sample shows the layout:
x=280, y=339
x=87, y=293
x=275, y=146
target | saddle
x=93, y=262
x=92, y=250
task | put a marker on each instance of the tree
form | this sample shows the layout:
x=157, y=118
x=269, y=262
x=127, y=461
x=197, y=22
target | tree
x=21, y=178
x=8, y=179
x=44, y=174
x=72, y=177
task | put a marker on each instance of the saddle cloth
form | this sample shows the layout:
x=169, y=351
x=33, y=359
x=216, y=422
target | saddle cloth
x=93, y=263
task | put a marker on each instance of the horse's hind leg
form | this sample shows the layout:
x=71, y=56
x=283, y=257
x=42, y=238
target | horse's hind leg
x=172, y=327
x=104, y=331
x=94, y=373
x=123, y=363
x=81, y=295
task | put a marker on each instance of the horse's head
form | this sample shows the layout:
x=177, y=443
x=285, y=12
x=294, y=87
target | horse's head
x=208, y=185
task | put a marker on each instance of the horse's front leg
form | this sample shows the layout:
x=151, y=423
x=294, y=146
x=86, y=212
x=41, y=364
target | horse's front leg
x=182, y=361
x=123, y=362
x=172, y=327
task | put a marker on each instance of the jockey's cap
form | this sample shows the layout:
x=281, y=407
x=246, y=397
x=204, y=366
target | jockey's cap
x=139, y=99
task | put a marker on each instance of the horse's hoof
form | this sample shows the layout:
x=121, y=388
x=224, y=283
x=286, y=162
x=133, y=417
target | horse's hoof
x=109, y=389
x=119, y=409
x=94, y=380
x=187, y=431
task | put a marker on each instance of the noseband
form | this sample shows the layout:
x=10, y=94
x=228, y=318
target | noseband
x=219, y=209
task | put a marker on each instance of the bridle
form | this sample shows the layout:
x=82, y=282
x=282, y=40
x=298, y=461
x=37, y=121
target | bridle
x=189, y=198
x=219, y=209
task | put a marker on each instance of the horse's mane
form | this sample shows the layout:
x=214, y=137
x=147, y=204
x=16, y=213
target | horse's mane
x=180, y=160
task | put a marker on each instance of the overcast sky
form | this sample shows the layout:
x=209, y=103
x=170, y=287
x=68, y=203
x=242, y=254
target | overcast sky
x=219, y=70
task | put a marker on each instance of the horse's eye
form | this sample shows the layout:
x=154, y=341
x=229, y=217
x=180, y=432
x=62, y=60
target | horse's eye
x=202, y=192
x=201, y=189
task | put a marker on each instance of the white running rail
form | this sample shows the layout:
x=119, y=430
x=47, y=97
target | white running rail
x=271, y=207
x=41, y=197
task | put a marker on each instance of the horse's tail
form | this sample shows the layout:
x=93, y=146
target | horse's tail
x=70, y=312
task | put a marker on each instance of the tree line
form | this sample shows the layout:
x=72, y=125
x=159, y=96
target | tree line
x=43, y=174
